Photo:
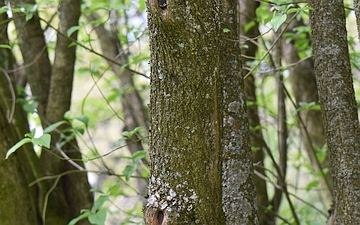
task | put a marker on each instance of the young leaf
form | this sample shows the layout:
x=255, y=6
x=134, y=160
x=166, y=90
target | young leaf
x=16, y=146
x=311, y=185
x=226, y=30
x=5, y=45
x=129, y=134
x=277, y=21
x=44, y=140
x=83, y=119
x=139, y=155
x=4, y=9
x=72, y=30
x=99, y=202
x=128, y=171
x=52, y=127
x=98, y=218
x=85, y=213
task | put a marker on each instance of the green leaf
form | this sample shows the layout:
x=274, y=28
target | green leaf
x=52, y=127
x=277, y=21
x=67, y=115
x=44, y=140
x=17, y=146
x=128, y=171
x=262, y=14
x=5, y=45
x=255, y=149
x=28, y=105
x=226, y=30
x=115, y=190
x=118, y=142
x=98, y=218
x=139, y=155
x=249, y=25
x=311, y=185
x=85, y=214
x=71, y=30
x=308, y=106
x=83, y=119
x=129, y=134
x=4, y=9
x=96, y=191
x=29, y=16
x=99, y=203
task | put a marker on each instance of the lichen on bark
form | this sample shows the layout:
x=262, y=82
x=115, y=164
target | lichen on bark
x=201, y=169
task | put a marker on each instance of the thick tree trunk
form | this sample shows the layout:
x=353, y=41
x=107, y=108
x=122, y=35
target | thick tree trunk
x=337, y=99
x=201, y=167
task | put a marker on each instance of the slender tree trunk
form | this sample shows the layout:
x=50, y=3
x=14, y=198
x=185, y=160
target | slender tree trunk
x=62, y=199
x=75, y=187
x=303, y=83
x=34, y=51
x=135, y=113
x=247, y=15
x=201, y=167
x=337, y=99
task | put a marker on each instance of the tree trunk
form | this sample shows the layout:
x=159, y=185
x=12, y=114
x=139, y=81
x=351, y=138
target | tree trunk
x=74, y=187
x=201, y=167
x=247, y=15
x=135, y=113
x=303, y=84
x=34, y=51
x=337, y=100
x=15, y=173
x=58, y=200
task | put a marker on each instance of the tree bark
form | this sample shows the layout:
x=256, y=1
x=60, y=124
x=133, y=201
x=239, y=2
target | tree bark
x=201, y=167
x=337, y=100
x=14, y=172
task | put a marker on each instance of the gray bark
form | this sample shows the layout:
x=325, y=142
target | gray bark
x=337, y=100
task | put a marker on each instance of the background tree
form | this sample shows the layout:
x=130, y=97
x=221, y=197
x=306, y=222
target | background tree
x=55, y=202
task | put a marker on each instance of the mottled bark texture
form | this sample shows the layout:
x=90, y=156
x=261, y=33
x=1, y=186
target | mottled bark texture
x=201, y=167
x=135, y=112
x=303, y=84
x=340, y=117
x=247, y=15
